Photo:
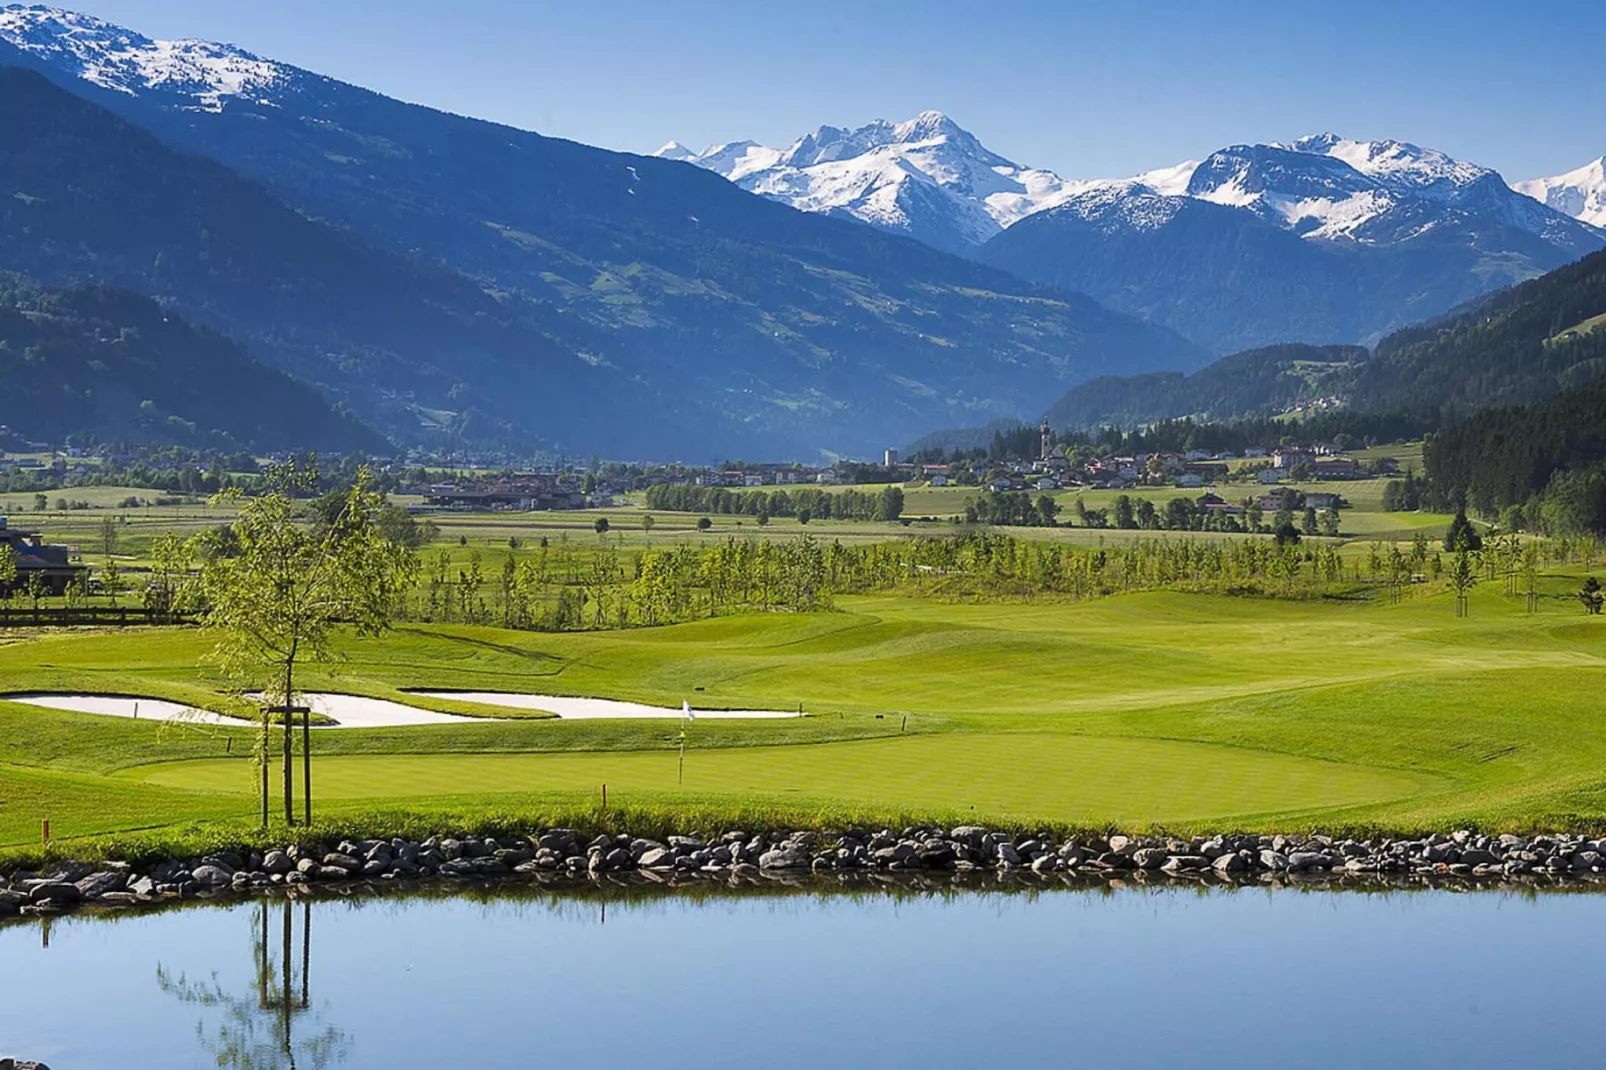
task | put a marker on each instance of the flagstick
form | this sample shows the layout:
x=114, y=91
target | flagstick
x=688, y=716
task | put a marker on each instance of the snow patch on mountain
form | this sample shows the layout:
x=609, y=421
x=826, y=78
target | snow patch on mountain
x=1580, y=194
x=126, y=62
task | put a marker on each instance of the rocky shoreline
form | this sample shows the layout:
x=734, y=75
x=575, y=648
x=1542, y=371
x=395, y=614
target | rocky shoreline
x=564, y=856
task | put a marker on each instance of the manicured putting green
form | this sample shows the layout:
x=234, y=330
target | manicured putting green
x=1057, y=777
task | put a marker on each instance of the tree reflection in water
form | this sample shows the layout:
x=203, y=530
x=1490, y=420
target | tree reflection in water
x=275, y=1026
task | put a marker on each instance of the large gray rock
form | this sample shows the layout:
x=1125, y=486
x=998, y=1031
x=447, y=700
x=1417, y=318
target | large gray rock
x=783, y=858
x=98, y=884
x=210, y=876
x=1309, y=860
x=1230, y=863
x=1149, y=857
x=277, y=862
x=657, y=858
x=54, y=892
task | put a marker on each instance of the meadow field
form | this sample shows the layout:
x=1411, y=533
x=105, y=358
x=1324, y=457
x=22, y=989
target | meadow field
x=1151, y=709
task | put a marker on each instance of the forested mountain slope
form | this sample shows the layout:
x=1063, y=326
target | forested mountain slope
x=1258, y=382
x=1549, y=457
x=101, y=364
x=1517, y=346
x=1520, y=345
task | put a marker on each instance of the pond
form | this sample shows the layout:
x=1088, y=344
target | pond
x=1137, y=977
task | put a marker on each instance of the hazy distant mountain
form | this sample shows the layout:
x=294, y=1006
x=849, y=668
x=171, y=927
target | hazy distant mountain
x=96, y=201
x=1324, y=240
x=662, y=311
x=1580, y=194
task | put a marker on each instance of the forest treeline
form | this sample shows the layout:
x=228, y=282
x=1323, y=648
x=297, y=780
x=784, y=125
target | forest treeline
x=1541, y=467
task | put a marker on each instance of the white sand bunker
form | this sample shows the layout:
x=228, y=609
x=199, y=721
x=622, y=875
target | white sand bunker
x=355, y=711
x=348, y=711
x=583, y=708
x=145, y=709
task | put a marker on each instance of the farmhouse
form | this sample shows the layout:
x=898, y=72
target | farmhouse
x=1291, y=458
x=1279, y=500
x=34, y=557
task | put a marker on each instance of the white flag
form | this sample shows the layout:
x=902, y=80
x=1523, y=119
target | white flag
x=685, y=707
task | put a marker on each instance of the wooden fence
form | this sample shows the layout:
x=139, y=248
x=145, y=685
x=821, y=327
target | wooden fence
x=64, y=616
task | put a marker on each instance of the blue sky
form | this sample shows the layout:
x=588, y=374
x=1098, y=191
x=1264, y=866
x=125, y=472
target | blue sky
x=1084, y=89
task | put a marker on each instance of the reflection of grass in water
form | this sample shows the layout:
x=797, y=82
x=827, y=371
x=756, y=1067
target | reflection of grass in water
x=258, y=1031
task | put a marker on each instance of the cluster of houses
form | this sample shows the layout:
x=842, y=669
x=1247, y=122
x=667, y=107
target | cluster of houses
x=1194, y=468
x=1052, y=471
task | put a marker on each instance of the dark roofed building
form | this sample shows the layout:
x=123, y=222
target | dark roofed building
x=34, y=556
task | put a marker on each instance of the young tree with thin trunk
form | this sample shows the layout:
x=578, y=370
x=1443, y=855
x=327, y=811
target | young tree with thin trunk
x=8, y=575
x=38, y=591
x=108, y=536
x=275, y=601
x=1463, y=576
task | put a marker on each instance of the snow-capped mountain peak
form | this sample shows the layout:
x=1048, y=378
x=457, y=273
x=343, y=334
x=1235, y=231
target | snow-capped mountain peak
x=121, y=60
x=927, y=176
x=1397, y=164
x=931, y=178
x=674, y=150
x=1580, y=193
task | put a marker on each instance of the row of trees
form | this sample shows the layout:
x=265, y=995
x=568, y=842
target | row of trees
x=1013, y=508
x=804, y=503
x=573, y=587
x=1185, y=514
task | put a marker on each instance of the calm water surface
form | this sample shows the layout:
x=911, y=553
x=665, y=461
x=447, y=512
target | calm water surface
x=1134, y=978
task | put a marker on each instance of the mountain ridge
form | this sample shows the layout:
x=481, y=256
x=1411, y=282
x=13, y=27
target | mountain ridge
x=702, y=317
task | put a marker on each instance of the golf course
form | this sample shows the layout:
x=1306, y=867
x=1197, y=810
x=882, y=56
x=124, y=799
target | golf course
x=1152, y=709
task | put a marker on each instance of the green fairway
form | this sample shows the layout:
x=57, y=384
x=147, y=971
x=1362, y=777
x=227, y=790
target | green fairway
x=1056, y=778
x=1159, y=707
